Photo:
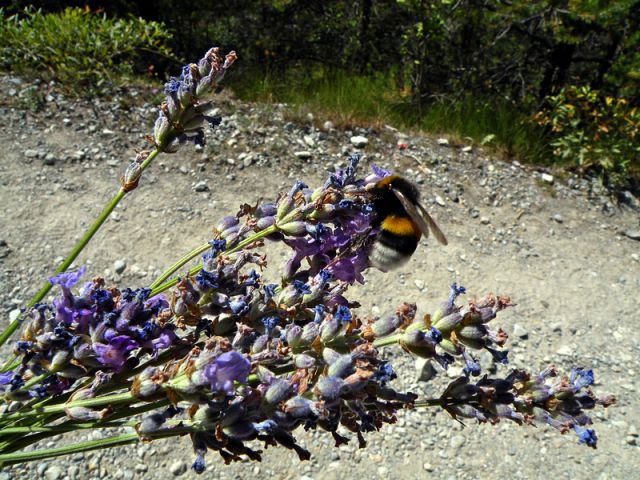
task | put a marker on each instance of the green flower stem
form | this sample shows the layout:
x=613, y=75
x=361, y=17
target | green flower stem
x=10, y=364
x=13, y=326
x=116, y=441
x=65, y=427
x=117, y=399
x=22, y=442
x=158, y=286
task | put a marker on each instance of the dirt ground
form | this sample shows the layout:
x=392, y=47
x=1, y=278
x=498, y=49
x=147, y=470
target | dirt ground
x=562, y=250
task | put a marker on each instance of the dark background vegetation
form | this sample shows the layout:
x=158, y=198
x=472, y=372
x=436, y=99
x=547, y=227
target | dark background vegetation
x=547, y=81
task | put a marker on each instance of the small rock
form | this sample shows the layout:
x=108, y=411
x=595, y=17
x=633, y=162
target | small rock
x=248, y=161
x=439, y=200
x=424, y=370
x=484, y=220
x=520, y=332
x=630, y=199
x=419, y=283
x=304, y=154
x=53, y=473
x=107, y=132
x=13, y=314
x=359, y=141
x=565, y=351
x=632, y=234
x=119, y=266
x=178, y=468
x=467, y=149
x=457, y=441
x=442, y=141
x=428, y=467
x=308, y=139
x=545, y=177
x=31, y=153
x=201, y=187
x=50, y=159
x=631, y=440
x=328, y=125
x=140, y=468
x=558, y=218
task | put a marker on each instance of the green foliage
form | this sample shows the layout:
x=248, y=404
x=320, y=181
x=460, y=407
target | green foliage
x=84, y=51
x=594, y=132
x=352, y=100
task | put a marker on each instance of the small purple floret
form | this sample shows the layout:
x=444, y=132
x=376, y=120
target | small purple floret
x=227, y=368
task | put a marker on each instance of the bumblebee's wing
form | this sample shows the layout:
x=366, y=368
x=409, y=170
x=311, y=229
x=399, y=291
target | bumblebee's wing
x=419, y=215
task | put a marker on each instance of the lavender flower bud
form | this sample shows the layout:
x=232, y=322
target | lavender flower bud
x=330, y=388
x=260, y=344
x=417, y=342
x=151, y=423
x=342, y=367
x=295, y=229
x=240, y=430
x=277, y=392
x=227, y=223
x=59, y=361
x=304, y=360
x=309, y=333
x=265, y=222
x=163, y=131
x=300, y=407
x=131, y=176
x=448, y=323
x=385, y=326
x=294, y=336
x=266, y=210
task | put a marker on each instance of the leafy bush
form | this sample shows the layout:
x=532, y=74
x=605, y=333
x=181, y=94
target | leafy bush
x=83, y=50
x=596, y=132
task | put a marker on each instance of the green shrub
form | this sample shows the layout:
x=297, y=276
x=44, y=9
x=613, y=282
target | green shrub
x=83, y=50
x=594, y=132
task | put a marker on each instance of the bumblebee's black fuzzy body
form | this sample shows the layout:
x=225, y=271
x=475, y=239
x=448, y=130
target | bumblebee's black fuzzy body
x=399, y=234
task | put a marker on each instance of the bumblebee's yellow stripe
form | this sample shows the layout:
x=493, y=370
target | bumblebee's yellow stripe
x=401, y=226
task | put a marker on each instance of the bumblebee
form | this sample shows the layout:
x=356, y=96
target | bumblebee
x=402, y=221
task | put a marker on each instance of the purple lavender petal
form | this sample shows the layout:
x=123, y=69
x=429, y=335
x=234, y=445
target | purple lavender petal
x=227, y=368
x=67, y=279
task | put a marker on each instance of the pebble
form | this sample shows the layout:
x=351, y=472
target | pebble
x=359, y=141
x=485, y=220
x=201, y=187
x=439, y=200
x=50, y=159
x=419, y=283
x=558, y=218
x=328, y=125
x=119, y=266
x=428, y=467
x=520, y=332
x=31, y=153
x=632, y=234
x=457, y=441
x=467, y=149
x=178, y=468
x=545, y=177
x=308, y=139
x=13, y=314
x=303, y=154
x=53, y=473
x=442, y=141
x=565, y=351
x=424, y=370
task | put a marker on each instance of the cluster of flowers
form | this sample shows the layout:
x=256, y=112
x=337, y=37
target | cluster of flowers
x=240, y=359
